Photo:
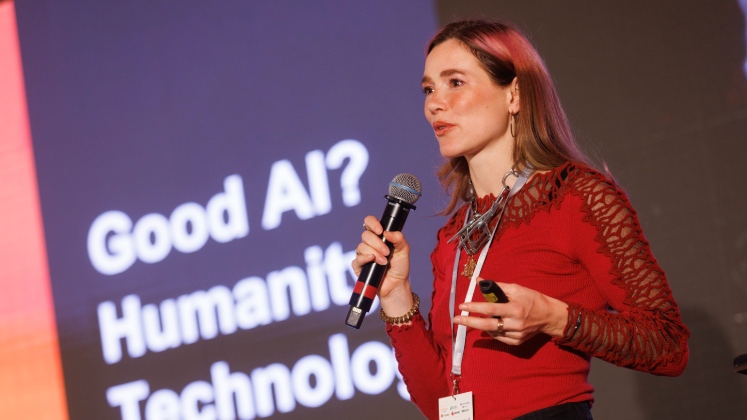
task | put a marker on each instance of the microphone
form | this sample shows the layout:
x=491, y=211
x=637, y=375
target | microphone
x=404, y=191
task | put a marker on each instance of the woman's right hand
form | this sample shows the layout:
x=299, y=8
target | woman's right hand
x=394, y=291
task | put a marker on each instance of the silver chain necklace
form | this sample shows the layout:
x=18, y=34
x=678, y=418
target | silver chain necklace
x=476, y=231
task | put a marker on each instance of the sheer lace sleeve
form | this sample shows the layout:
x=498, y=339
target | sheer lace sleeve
x=642, y=329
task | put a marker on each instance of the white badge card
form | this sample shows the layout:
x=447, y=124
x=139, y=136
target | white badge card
x=457, y=407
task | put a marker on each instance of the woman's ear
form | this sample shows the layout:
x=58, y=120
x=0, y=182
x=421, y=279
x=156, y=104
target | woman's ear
x=513, y=100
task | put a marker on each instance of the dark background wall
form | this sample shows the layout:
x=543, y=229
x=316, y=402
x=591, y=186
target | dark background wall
x=657, y=91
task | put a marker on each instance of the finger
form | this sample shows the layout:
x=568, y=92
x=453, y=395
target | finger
x=484, y=324
x=371, y=250
x=501, y=333
x=361, y=258
x=372, y=224
x=486, y=308
x=397, y=239
x=498, y=331
x=364, y=254
x=508, y=340
x=372, y=244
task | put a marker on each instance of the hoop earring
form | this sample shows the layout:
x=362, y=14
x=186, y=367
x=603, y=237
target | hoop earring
x=511, y=124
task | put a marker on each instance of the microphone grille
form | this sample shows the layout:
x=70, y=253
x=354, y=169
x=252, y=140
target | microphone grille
x=406, y=187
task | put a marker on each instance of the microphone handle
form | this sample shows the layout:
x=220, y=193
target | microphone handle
x=393, y=219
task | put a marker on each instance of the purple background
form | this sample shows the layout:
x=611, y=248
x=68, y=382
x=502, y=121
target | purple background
x=141, y=106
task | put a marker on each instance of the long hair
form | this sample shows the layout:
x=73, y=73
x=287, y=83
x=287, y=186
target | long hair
x=543, y=135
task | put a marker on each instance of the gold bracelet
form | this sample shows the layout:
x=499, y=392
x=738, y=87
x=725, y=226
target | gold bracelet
x=404, y=318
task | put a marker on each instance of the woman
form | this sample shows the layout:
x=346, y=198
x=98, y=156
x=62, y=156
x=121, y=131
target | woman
x=566, y=248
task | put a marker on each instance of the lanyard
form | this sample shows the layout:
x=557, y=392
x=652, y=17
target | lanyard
x=459, y=342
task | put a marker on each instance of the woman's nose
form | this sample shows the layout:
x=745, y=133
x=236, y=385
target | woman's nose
x=435, y=102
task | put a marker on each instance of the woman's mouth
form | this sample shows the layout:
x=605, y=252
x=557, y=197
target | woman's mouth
x=440, y=127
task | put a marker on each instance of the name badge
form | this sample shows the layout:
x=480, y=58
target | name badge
x=456, y=407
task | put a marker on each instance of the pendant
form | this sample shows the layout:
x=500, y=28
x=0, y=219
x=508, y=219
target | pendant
x=469, y=266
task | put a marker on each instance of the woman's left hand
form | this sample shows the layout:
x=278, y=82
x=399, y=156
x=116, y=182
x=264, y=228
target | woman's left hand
x=527, y=313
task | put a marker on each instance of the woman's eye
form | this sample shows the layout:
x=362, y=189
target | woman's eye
x=456, y=82
x=427, y=90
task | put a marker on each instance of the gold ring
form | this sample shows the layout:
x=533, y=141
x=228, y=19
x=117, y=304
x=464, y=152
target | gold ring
x=499, y=330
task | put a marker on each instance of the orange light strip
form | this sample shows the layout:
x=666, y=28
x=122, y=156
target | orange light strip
x=31, y=382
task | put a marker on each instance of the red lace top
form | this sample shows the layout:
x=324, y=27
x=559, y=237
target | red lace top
x=572, y=235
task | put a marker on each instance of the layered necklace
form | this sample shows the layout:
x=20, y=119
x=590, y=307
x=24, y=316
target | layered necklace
x=477, y=229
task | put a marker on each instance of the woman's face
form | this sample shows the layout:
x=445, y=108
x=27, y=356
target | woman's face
x=468, y=112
